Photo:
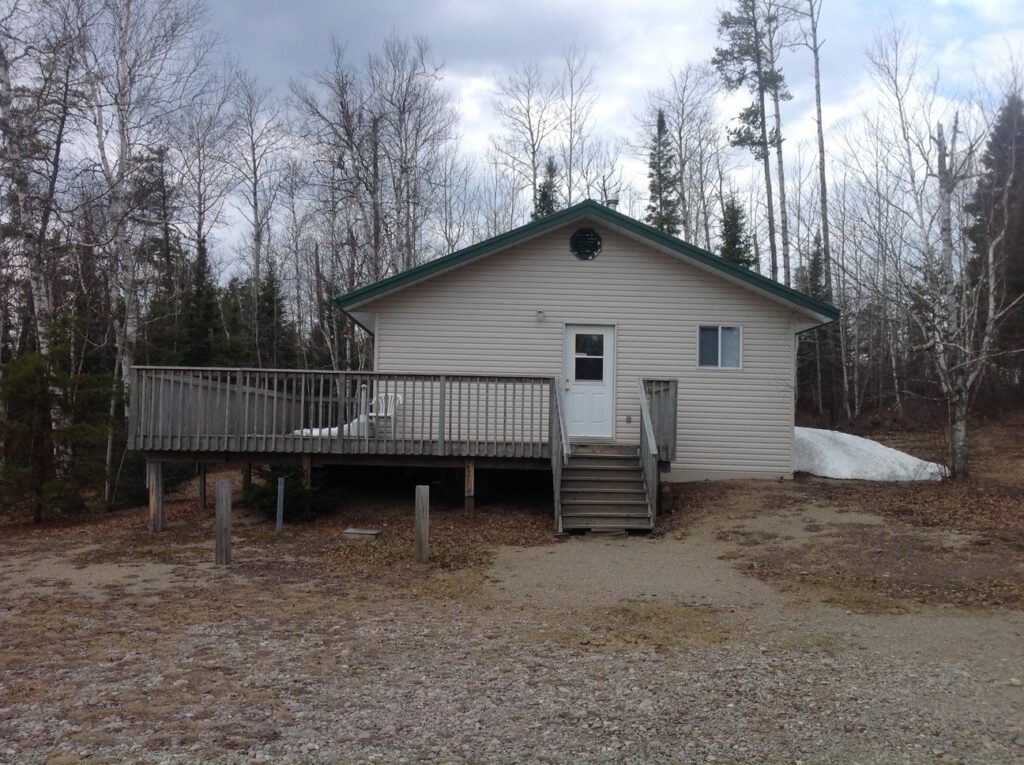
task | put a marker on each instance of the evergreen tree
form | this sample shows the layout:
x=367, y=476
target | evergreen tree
x=814, y=372
x=745, y=61
x=202, y=341
x=663, y=206
x=236, y=314
x=1003, y=163
x=735, y=243
x=153, y=200
x=278, y=343
x=547, y=192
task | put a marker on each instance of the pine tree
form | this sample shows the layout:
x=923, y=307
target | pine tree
x=663, y=205
x=1004, y=155
x=202, y=333
x=547, y=192
x=814, y=373
x=735, y=243
x=745, y=61
x=278, y=344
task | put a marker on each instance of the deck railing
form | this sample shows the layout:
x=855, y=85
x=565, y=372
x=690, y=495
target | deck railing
x=662, y=398
x=649, y=455
x=309, y=412
x=560, y=447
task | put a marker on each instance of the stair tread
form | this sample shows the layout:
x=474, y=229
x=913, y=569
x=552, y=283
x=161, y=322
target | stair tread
x=596, y=501
x=625, y=517
x=631, y=511
x=603, y=491
x=606, y=478
x=579, y=466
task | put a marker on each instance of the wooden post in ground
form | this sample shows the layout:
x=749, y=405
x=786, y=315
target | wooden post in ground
x=246, y=478
x=421, y=547
x=155, y=482
x=280, y=505
x=307, y=471
x=222, y=523
x=201, y=470
x=470, y=485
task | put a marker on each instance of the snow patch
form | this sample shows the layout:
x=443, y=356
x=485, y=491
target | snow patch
x=358, y=427
x=832, y=454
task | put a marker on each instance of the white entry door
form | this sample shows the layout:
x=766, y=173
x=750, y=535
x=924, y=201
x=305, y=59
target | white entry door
x=590, y=380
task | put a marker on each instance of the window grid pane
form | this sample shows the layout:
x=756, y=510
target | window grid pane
x=590, y=344
x=589, y=368
x=708, y=347
x=730, y=356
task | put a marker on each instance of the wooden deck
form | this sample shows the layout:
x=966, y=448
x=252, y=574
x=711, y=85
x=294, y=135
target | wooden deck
x=210, y=414
x=304, y=412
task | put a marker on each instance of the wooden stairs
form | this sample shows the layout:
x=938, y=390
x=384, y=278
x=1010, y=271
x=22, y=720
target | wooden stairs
x=603, y=489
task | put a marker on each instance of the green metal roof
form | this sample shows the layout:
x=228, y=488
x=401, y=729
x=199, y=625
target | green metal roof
x=588, y=209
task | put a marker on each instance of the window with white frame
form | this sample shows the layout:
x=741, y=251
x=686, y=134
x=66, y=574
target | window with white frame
x=719, y=345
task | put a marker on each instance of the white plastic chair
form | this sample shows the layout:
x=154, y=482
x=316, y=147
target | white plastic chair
x=382, y=413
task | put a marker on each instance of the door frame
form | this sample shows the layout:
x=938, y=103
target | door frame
x=614, y=327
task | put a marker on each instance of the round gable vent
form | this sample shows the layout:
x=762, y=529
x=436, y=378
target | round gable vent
x=585, y=243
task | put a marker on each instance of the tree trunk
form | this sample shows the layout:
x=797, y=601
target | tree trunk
x=108, y=463
x=783, y=217
x=766, y=164
x=826, y=248
x=958, y=410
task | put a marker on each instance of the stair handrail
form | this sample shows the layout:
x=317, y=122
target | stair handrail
x=559, y=445
x=563, y=426
x=648, y=453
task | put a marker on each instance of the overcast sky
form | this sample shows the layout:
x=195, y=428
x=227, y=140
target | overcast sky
x=634, y=44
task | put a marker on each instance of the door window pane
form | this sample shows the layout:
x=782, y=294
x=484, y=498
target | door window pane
x=590, y=345
x=708, y=350
x=731, y=347
x=589, y=368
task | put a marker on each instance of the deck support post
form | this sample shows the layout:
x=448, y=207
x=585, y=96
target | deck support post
x=201, y=472
x=470, y=485
x=155, y=483
x=421, y=545
x=280, y=505
x=307, y=471
x=222, y=524
x=246, y=478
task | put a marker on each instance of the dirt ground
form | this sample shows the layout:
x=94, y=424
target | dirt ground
x=804, y=621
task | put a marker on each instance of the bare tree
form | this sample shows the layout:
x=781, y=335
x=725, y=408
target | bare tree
x=811, y=17
x=576, y=103
x=261, y=141
x=456, y=200
x=526, y=105
x=141, y=59
x=601, y=172
x=778, y=35
x=204, y=143
x=418, y=121
x=689, y=107
x=38, y=107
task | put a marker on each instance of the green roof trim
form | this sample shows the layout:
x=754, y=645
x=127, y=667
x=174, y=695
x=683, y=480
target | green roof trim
x=591, y=209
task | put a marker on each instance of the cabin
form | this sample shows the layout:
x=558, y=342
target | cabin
x=586, y=344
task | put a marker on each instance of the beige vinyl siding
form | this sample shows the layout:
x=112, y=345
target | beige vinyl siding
x=483, y=318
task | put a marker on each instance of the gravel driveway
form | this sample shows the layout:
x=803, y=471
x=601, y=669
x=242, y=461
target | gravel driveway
x=595, y=649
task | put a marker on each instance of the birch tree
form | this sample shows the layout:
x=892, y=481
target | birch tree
x=526, y=105
x=141, y=59
x=257, y=159
x=576, y=104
